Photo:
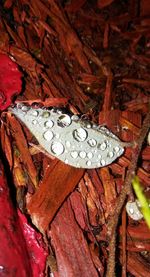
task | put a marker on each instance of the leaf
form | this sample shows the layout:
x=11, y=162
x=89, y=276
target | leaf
x=77, y=142
x=10, y=81
x=14, y=258
x=35, y=245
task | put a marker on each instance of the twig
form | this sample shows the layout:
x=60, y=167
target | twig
x=124, y=242
x=121, y=199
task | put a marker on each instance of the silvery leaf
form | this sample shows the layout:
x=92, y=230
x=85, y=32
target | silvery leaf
x=74, y=141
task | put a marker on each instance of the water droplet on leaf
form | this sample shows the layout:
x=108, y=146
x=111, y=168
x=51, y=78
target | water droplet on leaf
x=64, y=120
x=80, y=134
x=48, y=135
x=57, y=148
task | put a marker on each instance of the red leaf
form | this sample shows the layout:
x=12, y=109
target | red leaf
x=14, y=259
x=10, y=81
x=36, y=248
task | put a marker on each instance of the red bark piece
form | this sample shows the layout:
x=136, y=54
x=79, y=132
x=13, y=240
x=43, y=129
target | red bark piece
x=14, y=258
x=79, y=210
x=74, y=5
x=59, y=181
x=104, y=3
x=146, y=153
x=71, y=249
x=144, y=176
x=110, y=118
x=10, y=81
x=137, y=265
x=109, y=189
x=117, y=169
x=130, y=122
x=144, y=8
x=106, y=36
x=36, y=247
x=135, y=242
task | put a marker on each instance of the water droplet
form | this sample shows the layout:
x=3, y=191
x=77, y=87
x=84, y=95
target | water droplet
x=99, y=156
x=64, y=120
x=110, y=154
x=90, y=155
x=102, y=146
x=108, y=143
x=48, y=135
x=49, y=124
x=88, y=125
x=25, y=108
x=92, y=142
x=131, y=211
x=57, y=148
x=34, y=122
x=117, y=149
x=120, y=152
x=35, y=105
x=75, y=117
x=34, y=113
x=74, y=154
x=58, y=111
x=103, y=162
x=19, y=106
x=45, y=114
x=82, y=154
x=68, y=144
x=2, y=269
x=88, y=163
x=80, y=134
x=1, y=189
